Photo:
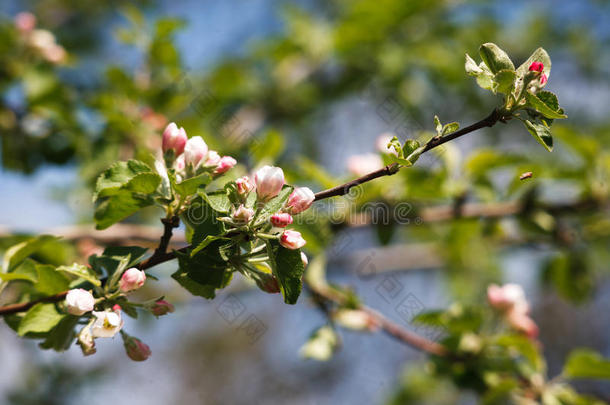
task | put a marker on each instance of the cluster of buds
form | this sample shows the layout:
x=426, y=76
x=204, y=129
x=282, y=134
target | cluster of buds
x=108, y=322
x=191, y=156
x=43, y=41
x=510, y=300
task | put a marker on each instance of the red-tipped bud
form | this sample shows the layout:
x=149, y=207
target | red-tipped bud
x=292, y=240
x=281, y=219
x=174, y=138
x=136, y=349
x=161, y=307
x=536, y=67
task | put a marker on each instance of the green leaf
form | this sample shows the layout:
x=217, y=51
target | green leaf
x=26, y=271
x=82, y=271
x=486, y=80
x=321, y=345
x=495, y=58
x=204, y=272
x=412, y=158
x=189, y=187
x=471, y=67
x=19, y=252
x=505, y=81
x=585, y=363
x=545, y=109
x=277, y=202
x=208, y=239
x=450, y=128
x=410, y=146
x=539, y=55
x=202, y=219
x=122, y=190
x=542, y=134
x=60, y=338
x=50, y=281
x=120, y=174
x=39, y=318
x=218, y=200
x=395, y=144
x=288, y=268
x=437, y=125
x=525, y=347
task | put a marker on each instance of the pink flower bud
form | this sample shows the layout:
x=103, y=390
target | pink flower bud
x=243, y=214
x=136, y=349
x=522, y=323
x=174, y=139
x=25, y=21
x=543, y=79
x=244, y=185
x=213, y=159
x=507, y=297
x=536, y=67
x=268, y=283
x=300, y=199
x=226, y=163
x=132, y=279
x=292, y=239
x=281, y=219
x=195, y=151
x=304, y=259
x=79, y=301
x=161, y=307
x=269, y=181
x=364, y=164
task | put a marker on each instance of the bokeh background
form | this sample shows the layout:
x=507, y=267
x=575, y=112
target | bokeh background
x=306, y=85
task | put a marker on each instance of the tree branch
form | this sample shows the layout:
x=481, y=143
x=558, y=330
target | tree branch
x=388, y=326
x=393, y=168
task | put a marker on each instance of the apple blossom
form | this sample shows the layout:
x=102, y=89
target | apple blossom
x=243, y=214
x=195, y=151
x=226, y=163
x=132, y=279
x=79, y=301
x=136, y=349
x=244, y=185
x=300, y=199
x=269, y=181
x=25, y=21
x=106, y=324
x=363, y=164
x=213, y=159
x=85, y=341
x=161, y=307
x=521, y=322
x=174, y=138
x=507, y=297
x=292, y=239
x=281, y=219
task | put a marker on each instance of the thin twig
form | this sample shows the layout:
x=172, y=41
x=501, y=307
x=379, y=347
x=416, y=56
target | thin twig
x=393, y=168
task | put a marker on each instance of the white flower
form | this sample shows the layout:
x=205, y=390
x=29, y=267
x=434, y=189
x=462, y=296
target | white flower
x=269, y=181
x=107, y=323
x=195, y=151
